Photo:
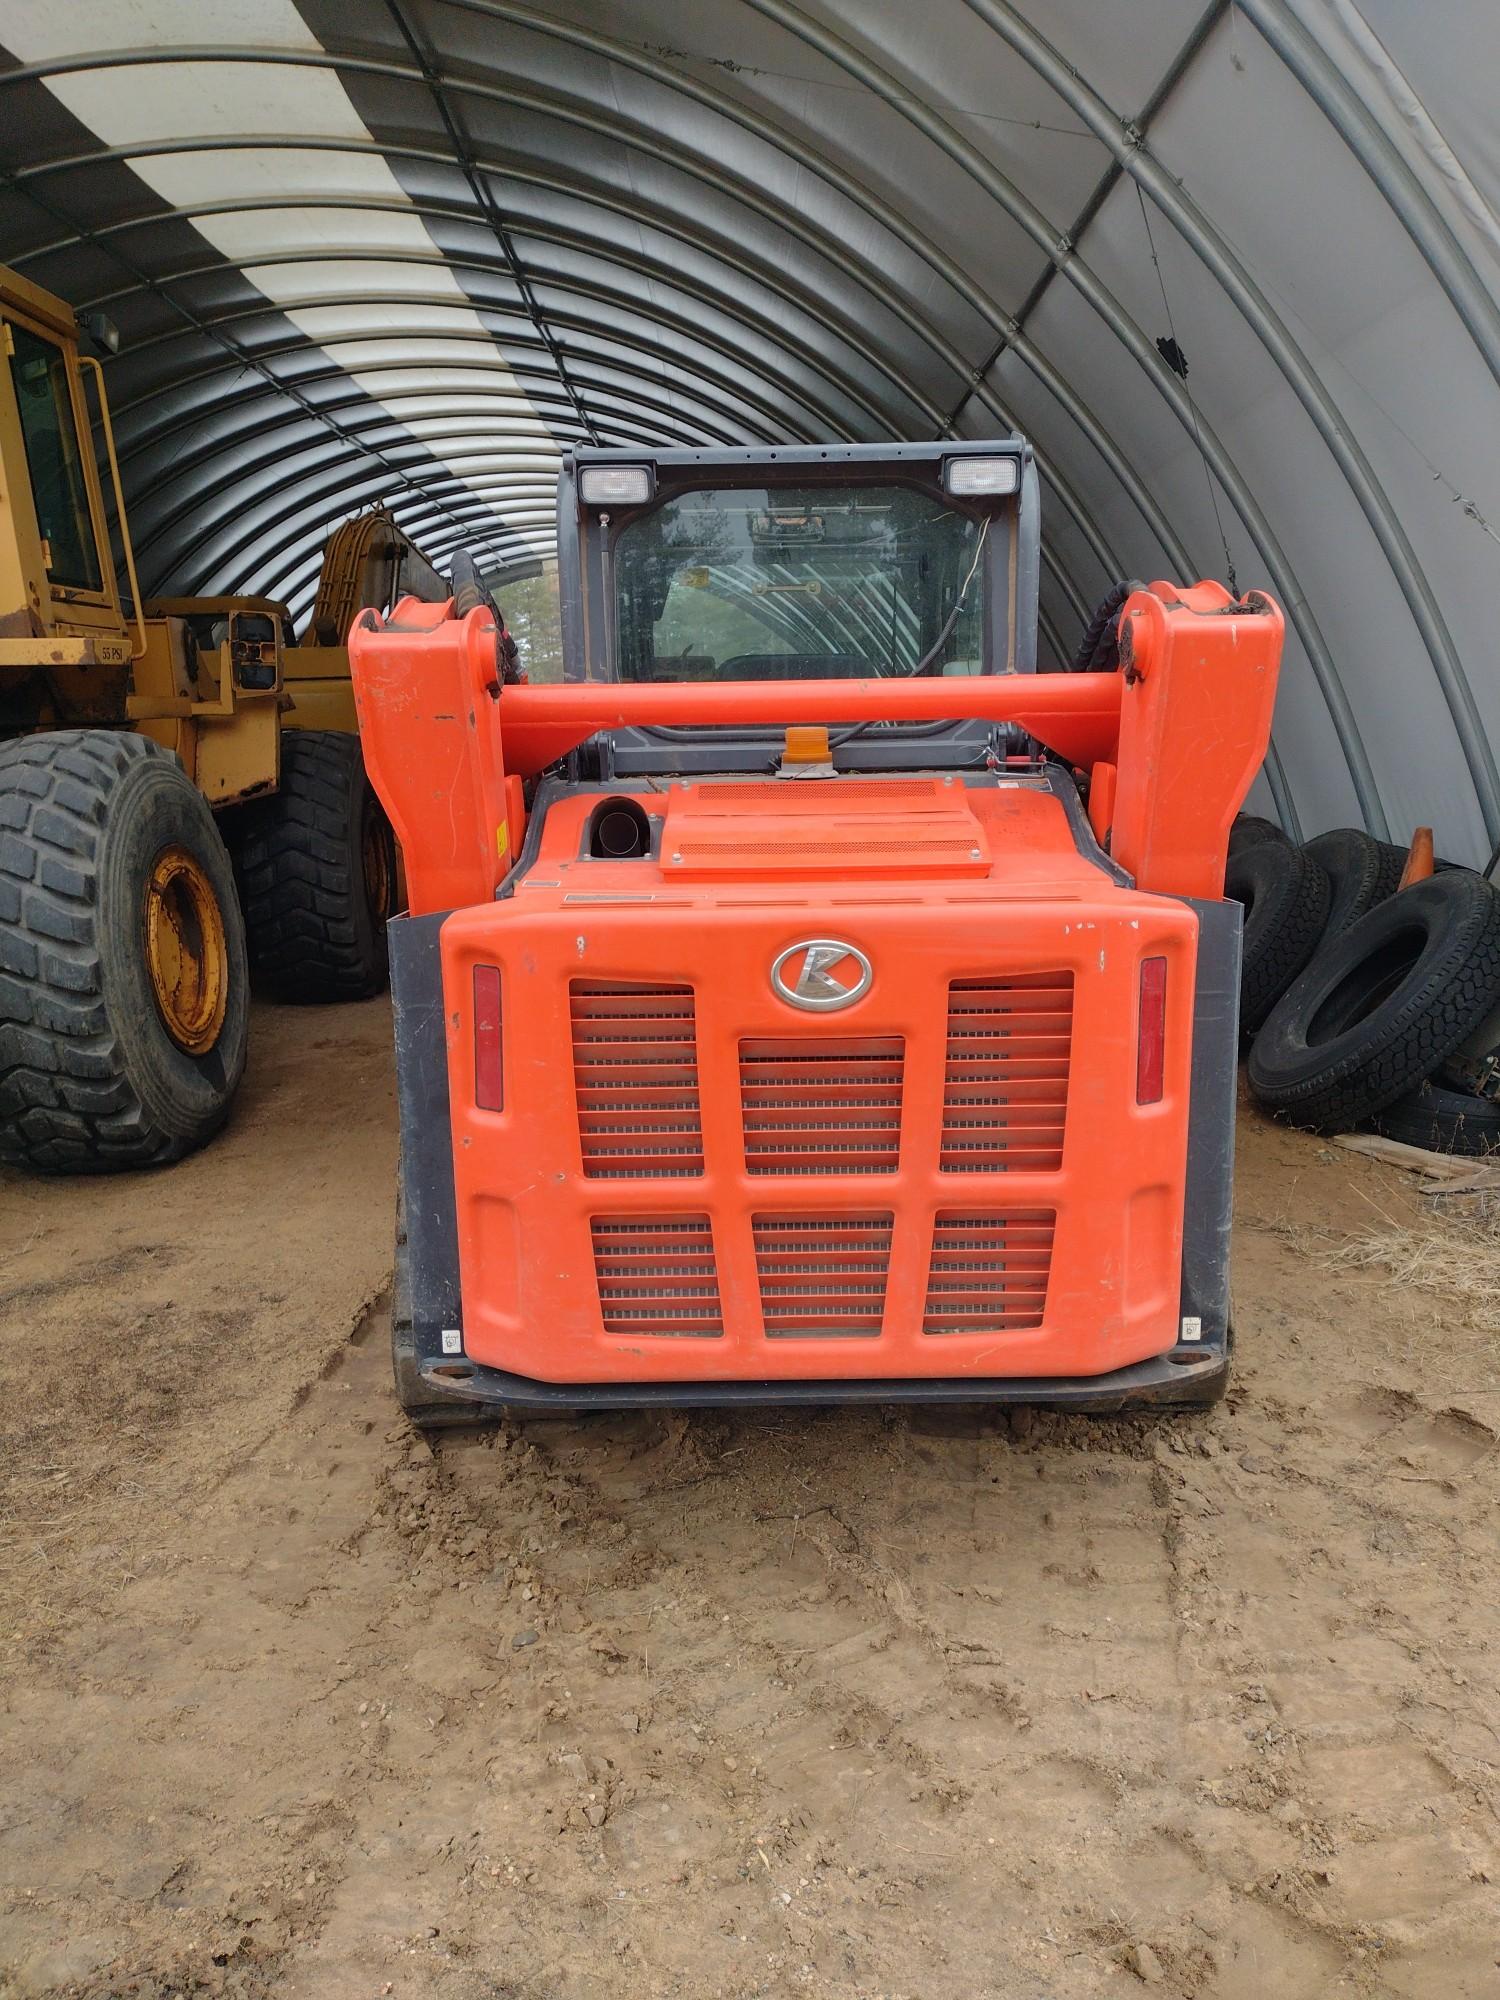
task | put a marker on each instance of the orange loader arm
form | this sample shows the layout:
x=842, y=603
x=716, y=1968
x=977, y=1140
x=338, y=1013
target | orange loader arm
x=1172, y=741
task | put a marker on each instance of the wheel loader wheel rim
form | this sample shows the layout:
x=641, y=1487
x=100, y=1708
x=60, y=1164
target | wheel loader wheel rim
x=375, y=858
x=187, y=954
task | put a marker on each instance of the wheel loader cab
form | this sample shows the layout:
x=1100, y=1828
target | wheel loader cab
x=203, y=677
x=57, y=581
x=808, y=998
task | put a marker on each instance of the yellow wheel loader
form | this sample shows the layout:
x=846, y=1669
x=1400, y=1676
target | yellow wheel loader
x=183, y=804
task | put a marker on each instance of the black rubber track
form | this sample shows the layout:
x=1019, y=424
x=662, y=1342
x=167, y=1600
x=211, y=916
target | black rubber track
x=429, y=1412
x=1098, y=651
x=1361, y=871
x=314, y=934
x=1248, y=831
x=1441, y=1121
x=90, y=1080
x=1285, y=894
x=1382, y=1007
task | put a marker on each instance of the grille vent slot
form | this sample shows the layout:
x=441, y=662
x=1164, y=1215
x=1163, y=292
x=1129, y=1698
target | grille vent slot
x=822, y=1104
x=989, y=1272
x=822, y=1274
x=1005, y=1083
x=635, y=1071
x=657, y=1275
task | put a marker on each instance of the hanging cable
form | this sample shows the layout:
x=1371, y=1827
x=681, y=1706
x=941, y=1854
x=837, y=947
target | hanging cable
x=1177, y=362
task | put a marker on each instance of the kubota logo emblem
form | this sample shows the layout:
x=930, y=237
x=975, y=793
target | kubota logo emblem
x=821, y=974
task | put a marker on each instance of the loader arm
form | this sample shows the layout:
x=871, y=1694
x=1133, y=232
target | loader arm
x=1173, y=740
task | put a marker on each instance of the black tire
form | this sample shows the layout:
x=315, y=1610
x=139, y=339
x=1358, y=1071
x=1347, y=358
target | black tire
x=1361, y=871
x=1285, y=894
x=1098, y=651
x=1380, y=1008
x=1248, y=831
x=1441, y=1121
x=316, y=863
x=91, y=1080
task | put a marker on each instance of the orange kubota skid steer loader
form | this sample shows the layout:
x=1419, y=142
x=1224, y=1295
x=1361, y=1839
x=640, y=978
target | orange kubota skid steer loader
x=807, y=999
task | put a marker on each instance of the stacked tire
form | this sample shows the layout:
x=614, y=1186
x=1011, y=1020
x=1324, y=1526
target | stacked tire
x=1356, y=993
x=1285, y=895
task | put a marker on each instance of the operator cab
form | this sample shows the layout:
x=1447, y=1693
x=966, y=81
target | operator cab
x=858, y=562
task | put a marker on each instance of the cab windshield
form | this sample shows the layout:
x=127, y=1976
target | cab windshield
x=807, y=583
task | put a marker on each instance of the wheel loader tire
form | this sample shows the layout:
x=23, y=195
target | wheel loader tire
x=1441, y=1121
x=1249, y=831
x=124, y=988
x=1382, y=1007
x=1361, y=872
x=317, y=871
x=1285, y=894
x=1098, y=651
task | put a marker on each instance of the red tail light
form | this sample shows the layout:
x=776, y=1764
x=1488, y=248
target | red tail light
x=1151, y=1032
x=489, y=1075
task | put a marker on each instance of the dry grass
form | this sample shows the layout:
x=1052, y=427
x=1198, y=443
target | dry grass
x=1452, y=1263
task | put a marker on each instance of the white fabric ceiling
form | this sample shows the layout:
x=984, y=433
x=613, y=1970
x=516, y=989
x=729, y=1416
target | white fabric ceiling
x=409, y=249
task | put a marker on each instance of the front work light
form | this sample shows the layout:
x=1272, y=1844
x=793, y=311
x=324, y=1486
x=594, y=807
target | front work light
x=615, y=485
x=981, y=478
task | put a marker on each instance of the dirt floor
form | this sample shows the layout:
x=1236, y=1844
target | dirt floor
x=861, y=1704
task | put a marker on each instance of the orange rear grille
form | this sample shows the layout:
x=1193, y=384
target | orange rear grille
x=657, y=1275
x=822, y=1274
x=822, y=1105
x=988, y=1272
x=635, y=1071
x=1005, y=1084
